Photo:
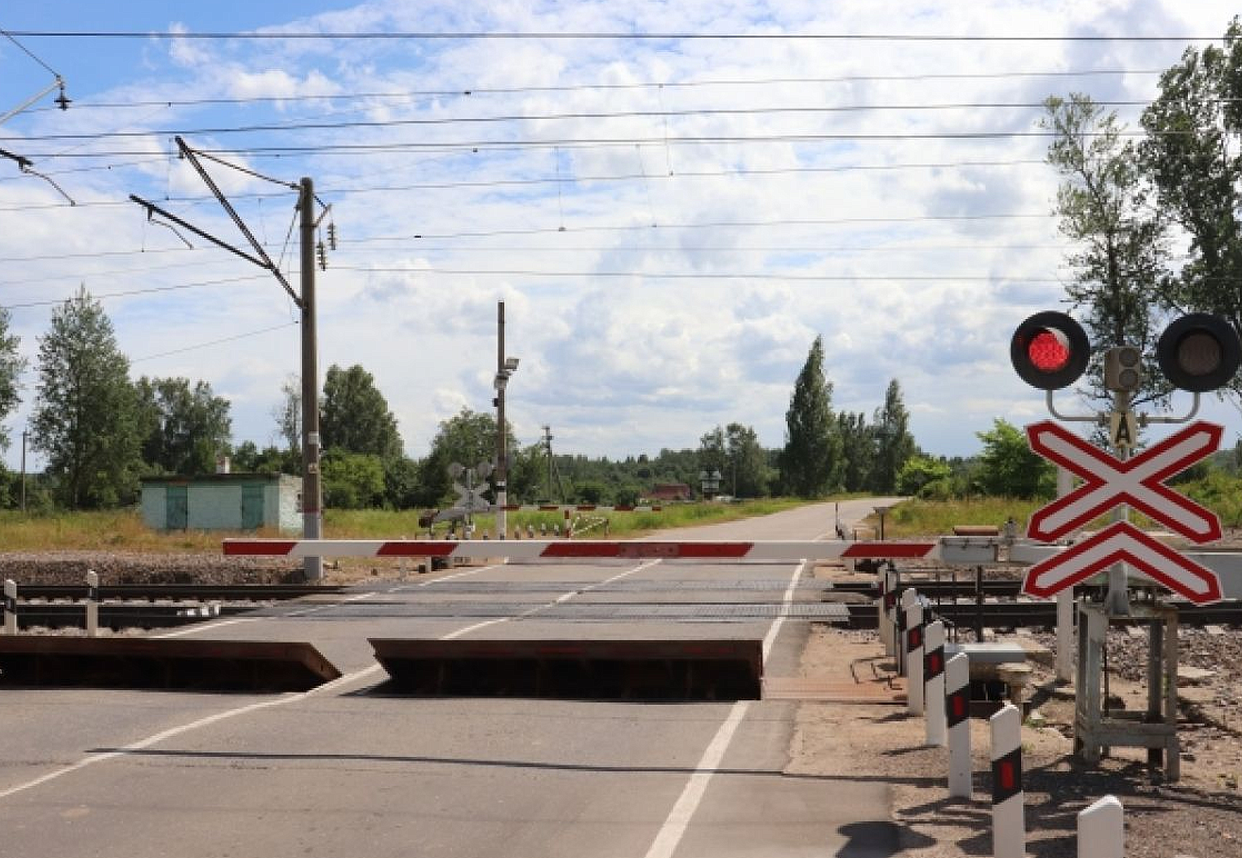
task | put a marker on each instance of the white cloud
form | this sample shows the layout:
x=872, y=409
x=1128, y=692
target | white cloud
x=916, y=280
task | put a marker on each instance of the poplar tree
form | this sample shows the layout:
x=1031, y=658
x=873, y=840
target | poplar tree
x=894, y=443
x=811, y=460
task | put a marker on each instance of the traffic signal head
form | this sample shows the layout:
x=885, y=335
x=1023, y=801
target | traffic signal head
x=1049, y=350
x=1199, y=352
x=1123, y=368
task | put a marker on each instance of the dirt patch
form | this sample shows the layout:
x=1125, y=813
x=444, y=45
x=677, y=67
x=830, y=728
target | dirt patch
x=1199, y=816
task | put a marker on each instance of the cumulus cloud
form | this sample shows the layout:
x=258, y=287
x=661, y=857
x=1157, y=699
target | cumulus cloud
x=670, y=223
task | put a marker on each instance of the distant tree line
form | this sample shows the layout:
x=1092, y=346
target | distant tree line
x=100, y=433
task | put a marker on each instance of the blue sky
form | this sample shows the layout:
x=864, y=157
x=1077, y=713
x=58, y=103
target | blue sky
x=670, y=223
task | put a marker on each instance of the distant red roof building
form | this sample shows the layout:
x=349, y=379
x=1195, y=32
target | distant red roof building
x=670, y=492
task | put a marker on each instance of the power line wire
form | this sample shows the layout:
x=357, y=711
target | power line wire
x=576, y=116
x=554, y=35
x=475, y=90
x=132, y=292
x=477, y=146
x=221, y=341
x=649, y=275
x=570, y=180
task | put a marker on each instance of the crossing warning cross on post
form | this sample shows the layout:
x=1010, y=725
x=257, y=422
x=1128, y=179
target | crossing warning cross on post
x=1110, y=482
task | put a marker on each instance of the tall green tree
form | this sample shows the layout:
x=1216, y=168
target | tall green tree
x=811, y=461
x=183, y=429
x=1010, y=468
x=894, y=445
x=857, y=451
x=352, y=480
x=467, y=438
x=288, y=416
x=11, y=366
x=85, y=417
x=748, y=474
x=355, y=416
x=712, y=455
x=1104, y=206
x=1193, y=153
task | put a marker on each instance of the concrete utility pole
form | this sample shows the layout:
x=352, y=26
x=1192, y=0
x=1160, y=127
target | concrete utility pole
x=312, y=492
x=505, y=368
x=502, y=451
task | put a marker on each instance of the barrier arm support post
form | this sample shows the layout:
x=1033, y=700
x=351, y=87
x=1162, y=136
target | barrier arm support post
x=92, y=604
x=10, y=606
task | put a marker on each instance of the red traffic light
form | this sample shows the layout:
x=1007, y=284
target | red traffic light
x=1199, y=352
x=1049, y=350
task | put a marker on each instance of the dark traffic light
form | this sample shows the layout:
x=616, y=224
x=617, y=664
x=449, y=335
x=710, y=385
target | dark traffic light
x=1049, y=350
x=1199, y=352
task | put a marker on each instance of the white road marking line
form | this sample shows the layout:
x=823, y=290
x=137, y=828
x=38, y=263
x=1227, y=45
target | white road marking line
x=679, y=817
x=770, y=638
x=674, y=827
x=564, y=597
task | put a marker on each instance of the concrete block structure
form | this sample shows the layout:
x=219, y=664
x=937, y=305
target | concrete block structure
x=223, y=502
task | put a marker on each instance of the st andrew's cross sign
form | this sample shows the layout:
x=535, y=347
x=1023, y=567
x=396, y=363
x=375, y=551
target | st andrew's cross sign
x=1109, y=482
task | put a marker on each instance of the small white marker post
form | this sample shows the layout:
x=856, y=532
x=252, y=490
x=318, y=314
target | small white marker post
x=890, y=614
x=92, y=604
x=1101, y=829
x=957, y=720
x=881, y=612
x=1008, y=799
x=10, y=606
x=933, y=678
x=914, y=651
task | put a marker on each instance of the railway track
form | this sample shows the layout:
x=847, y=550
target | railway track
x=190, y=592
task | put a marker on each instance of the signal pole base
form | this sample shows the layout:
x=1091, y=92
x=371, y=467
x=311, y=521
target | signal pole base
x=1095, y=729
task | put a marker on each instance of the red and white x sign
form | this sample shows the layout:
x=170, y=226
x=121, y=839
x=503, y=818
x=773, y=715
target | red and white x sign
x=1139, y=481
x=1122, y=542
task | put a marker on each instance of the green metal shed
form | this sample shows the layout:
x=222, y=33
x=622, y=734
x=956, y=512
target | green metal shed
x=223, y=502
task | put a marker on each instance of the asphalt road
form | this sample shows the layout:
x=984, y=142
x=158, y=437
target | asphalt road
x=346, y=770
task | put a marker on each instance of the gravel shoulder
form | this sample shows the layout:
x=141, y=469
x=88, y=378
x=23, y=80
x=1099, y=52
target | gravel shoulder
x=1199, y=816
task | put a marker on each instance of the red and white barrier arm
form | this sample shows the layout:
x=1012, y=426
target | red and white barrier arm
x=532, y=549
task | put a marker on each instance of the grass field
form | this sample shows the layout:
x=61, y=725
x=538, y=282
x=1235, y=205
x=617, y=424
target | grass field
x=123, y=530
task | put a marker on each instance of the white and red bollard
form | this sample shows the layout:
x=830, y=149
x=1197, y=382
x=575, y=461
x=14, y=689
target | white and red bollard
x=957, y=723
x=10, y=607
x=933, y=683
x=913, y=610
x=1008, y=798
x=1101, y=829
